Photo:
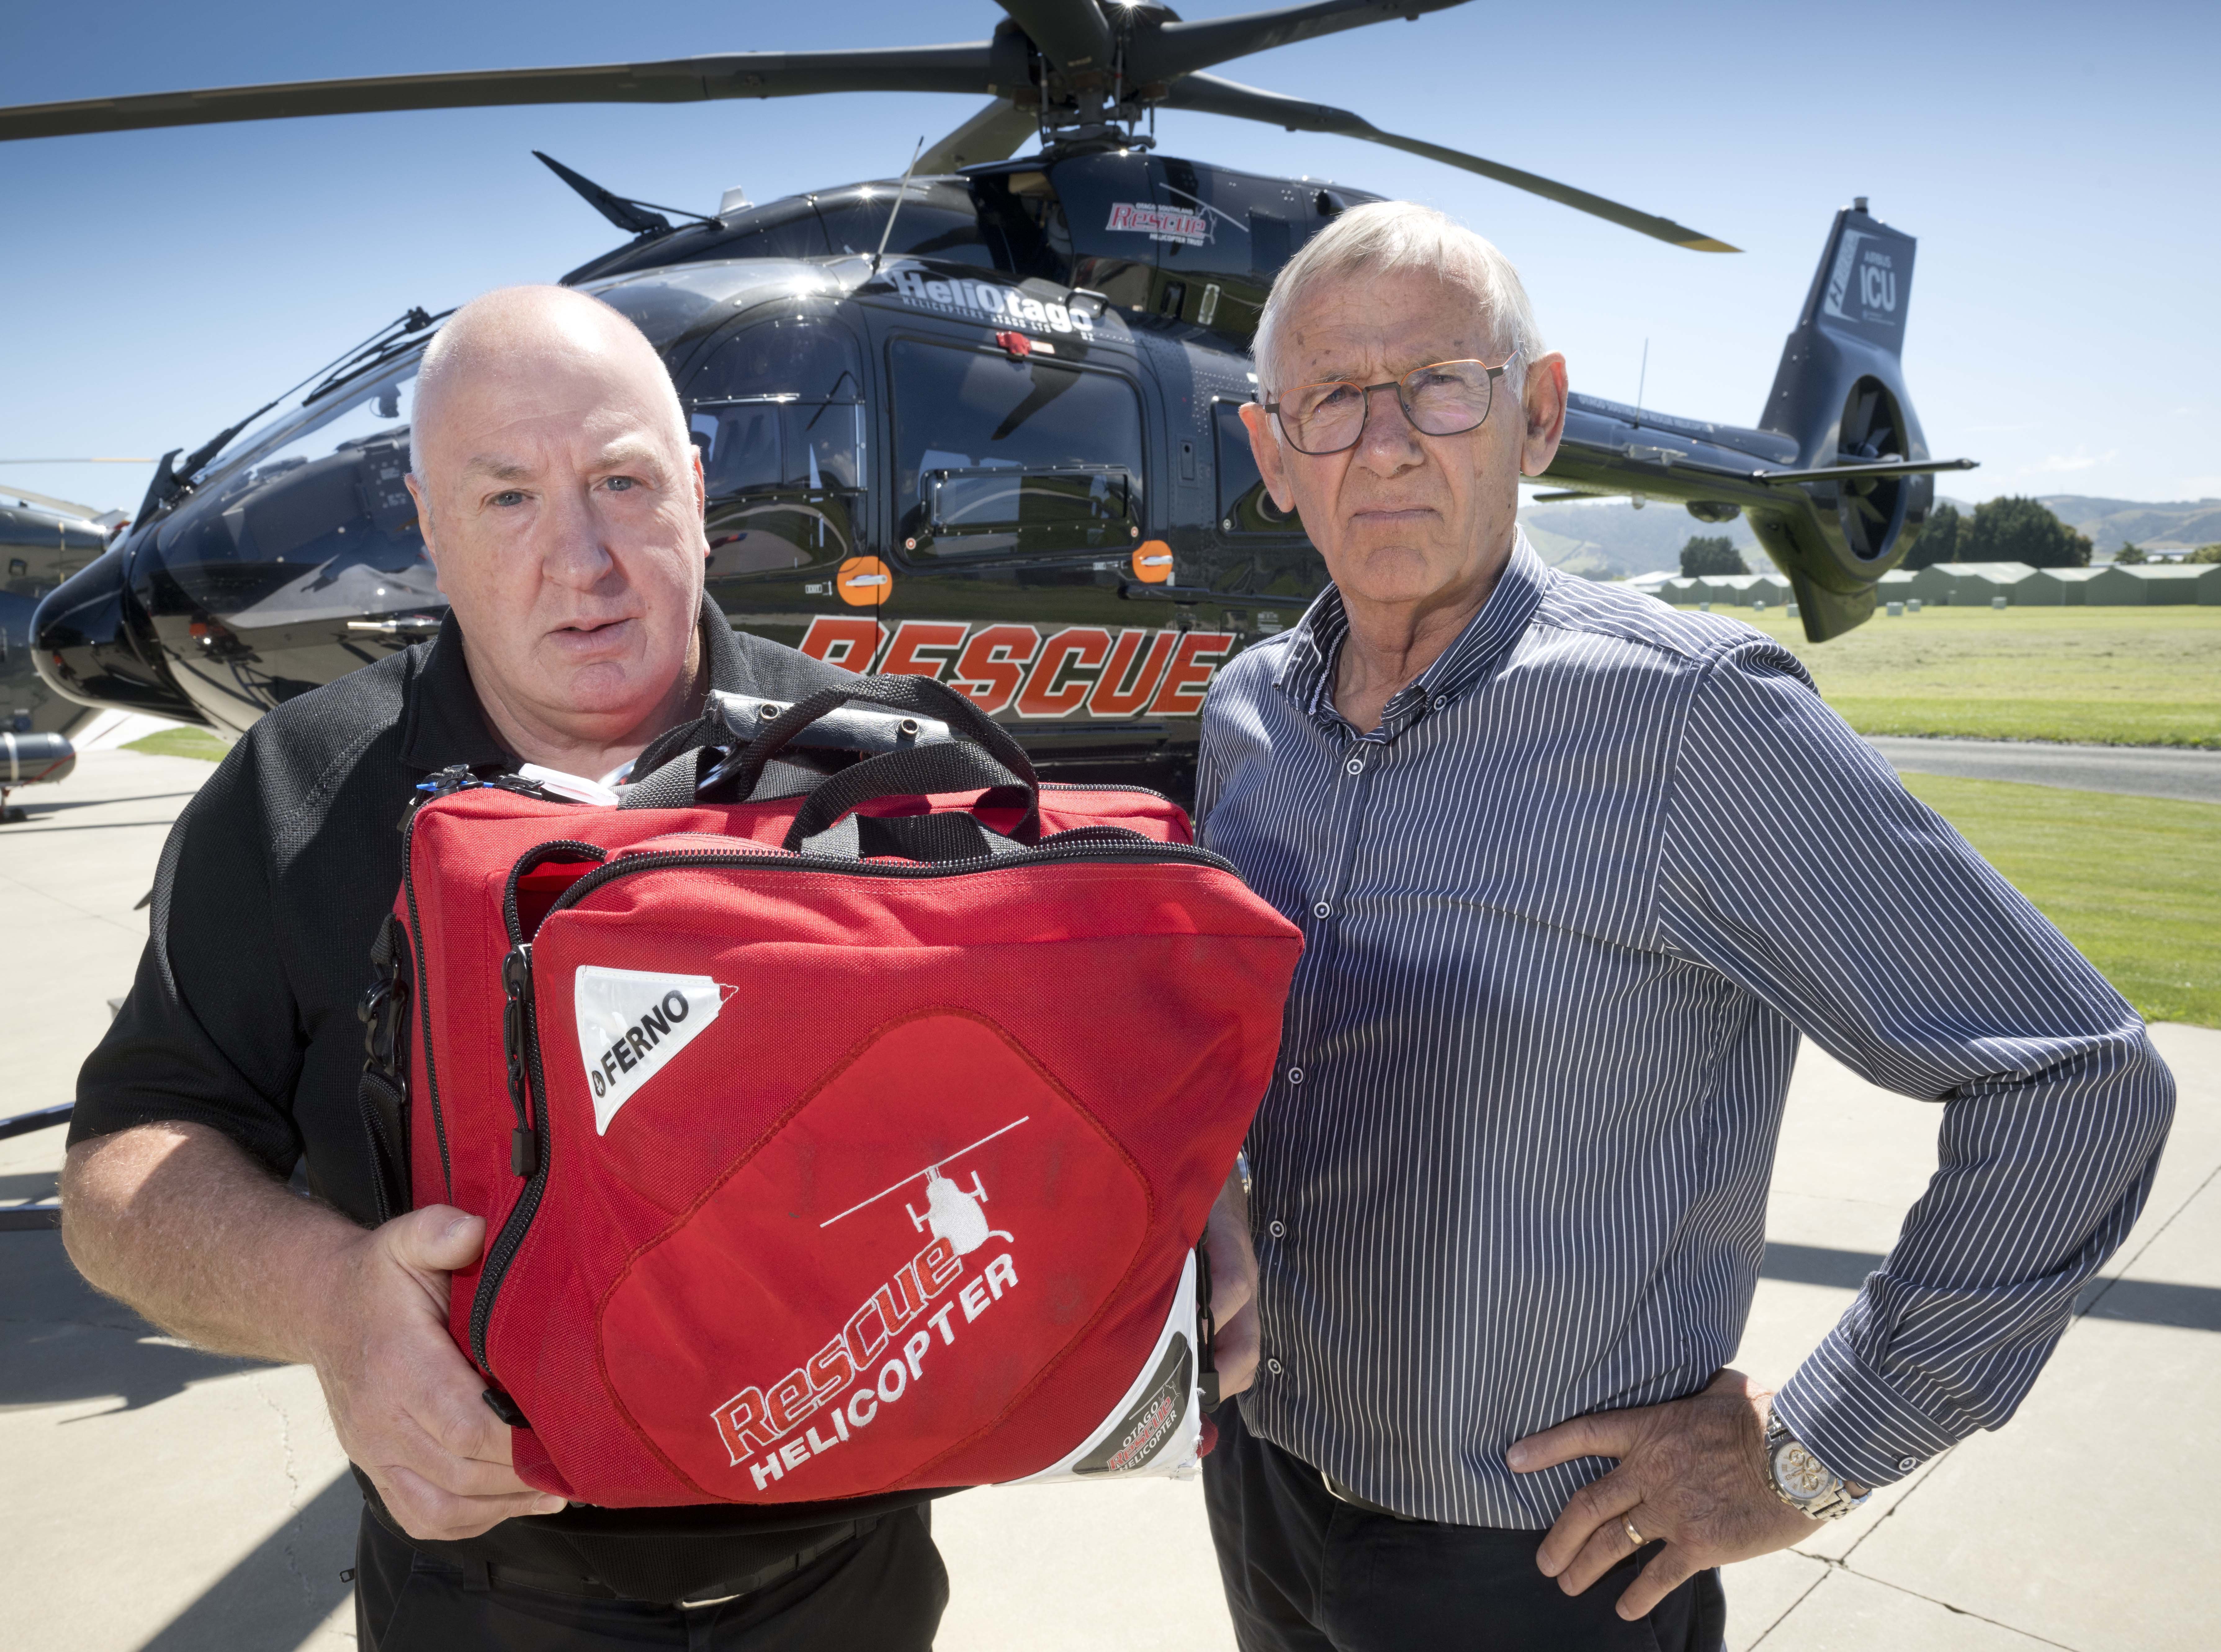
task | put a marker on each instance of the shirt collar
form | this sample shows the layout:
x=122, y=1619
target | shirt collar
x=1307, y=675
x=446, y=725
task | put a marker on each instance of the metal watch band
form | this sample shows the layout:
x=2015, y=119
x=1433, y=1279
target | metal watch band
x=1838, y=1500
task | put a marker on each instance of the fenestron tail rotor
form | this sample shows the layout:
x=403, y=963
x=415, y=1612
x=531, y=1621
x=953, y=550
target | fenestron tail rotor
x=1079, y=72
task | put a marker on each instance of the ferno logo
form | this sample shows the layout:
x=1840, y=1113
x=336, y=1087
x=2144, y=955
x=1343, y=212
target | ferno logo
x=1081, y=669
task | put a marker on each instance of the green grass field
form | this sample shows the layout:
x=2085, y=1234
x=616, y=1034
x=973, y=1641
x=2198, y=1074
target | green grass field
x=2129, y=880
x=2109, y=676
x=180, y=742
x=2132, y=881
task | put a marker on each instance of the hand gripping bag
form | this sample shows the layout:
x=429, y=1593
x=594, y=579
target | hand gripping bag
x=850, y=1140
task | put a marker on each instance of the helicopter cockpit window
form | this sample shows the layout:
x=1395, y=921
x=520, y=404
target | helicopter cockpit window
x=1244, y=506
x=936, y=221
x=778, y=413
x=313, y=522
x=996, y=454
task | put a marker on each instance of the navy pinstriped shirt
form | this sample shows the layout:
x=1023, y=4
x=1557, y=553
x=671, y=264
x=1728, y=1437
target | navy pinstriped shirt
x=1567, y=908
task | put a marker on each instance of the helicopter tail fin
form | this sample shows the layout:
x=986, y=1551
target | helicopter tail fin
x=1839, y=393
x=1852, y=326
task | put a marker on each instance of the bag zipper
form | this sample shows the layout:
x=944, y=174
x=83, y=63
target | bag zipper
x=455, y=778
x=511, y=1239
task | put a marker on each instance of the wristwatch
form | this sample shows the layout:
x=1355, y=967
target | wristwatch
x=1802, y=1481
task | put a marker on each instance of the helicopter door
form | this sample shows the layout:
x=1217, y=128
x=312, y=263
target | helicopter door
x=1281, y=563
x=1019, y=502
x=777, y=411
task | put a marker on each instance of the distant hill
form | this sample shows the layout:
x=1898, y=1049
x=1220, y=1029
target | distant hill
x=2111, y=523
x=1609, y=539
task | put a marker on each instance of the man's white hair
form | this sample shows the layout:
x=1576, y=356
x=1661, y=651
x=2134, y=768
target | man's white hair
x=1384, y=238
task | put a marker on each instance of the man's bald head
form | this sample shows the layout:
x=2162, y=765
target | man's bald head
x=525, y=330
x=561, y=502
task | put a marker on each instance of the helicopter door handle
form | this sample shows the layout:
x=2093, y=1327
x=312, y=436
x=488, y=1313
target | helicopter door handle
x=1134, y=591
x=405, y=625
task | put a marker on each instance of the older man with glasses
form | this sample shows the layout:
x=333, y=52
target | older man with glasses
x=1574, y=870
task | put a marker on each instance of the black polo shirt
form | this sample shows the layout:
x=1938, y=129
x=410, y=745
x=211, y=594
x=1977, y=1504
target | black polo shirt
x=271, y=889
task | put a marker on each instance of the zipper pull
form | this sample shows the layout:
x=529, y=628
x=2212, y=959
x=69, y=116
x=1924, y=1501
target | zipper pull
x=517, y=982
x=456, y=777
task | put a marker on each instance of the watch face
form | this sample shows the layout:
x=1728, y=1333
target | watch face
x=1799, y=1473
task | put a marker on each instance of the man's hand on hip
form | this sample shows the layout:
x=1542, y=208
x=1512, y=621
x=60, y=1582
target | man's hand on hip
x=409, y=1409
x=1691, y=1473
x=1233, y=1288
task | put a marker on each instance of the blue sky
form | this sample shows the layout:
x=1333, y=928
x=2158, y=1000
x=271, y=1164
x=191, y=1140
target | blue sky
x=2061, y=166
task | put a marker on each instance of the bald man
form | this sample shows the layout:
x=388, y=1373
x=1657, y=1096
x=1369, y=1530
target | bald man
x=561, y=502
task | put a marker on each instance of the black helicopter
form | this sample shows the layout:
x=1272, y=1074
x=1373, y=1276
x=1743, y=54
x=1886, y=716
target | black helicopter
x=980, y=422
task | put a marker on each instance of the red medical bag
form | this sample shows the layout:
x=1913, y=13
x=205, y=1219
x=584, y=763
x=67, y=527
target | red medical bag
x=842, y=1143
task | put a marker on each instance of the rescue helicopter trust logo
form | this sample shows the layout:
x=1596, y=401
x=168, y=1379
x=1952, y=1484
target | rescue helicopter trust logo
x=1161, y=223
x=631, y=1023
x=776, y=1428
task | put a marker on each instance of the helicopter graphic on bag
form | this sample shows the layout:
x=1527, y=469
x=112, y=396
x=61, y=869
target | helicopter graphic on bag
x=799, y=1186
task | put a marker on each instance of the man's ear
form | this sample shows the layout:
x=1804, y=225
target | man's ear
x=701, y=485
x=424, y=526
x=1272, y=461
x=1545, y=411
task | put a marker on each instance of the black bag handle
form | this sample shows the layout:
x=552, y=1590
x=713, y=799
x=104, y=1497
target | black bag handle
x=952, y=767
x=900, y=693
x=673, y=784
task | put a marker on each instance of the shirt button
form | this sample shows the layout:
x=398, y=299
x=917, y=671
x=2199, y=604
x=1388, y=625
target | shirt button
x=1354, y=765
x=1322, y=910
x=1295, y=1075
x=1441, y=701
x=1908, y=1464
x=1274, y=1366
x=1279, y=1230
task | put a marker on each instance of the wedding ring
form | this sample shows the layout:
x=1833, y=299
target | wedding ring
x=1633, y=1536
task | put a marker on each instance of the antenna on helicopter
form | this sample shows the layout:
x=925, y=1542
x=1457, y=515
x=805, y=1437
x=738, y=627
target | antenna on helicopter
x=901, y=189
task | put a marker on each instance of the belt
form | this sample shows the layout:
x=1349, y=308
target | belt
x=1342, y=1494
x=579, y=1588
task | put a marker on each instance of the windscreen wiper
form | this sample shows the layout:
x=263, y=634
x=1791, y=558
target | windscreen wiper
x=173, y=476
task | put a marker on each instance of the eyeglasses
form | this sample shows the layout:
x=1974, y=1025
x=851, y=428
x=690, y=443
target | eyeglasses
x=1446, y=398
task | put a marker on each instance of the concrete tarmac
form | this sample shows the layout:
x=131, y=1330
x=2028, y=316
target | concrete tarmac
x=2179, y=771
x=155, y=1498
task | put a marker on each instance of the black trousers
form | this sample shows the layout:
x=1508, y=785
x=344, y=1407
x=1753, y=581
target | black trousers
x=885, y=1590
x=1306, y=1571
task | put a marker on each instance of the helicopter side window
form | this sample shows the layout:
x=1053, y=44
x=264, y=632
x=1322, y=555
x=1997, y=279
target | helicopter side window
x=996, y=454
x=1244, y=506
x=778, y=412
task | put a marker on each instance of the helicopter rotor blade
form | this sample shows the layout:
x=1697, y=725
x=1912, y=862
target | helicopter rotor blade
x=994, y=133
x=67, y=507
x=1175, y=49
x=961, y=68
x=1209, y=95
x=1071, y=34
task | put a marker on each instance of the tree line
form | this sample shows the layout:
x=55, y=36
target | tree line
x=2008, y=529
